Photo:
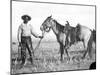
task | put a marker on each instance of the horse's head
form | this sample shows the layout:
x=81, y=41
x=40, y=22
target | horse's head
x=46, y=25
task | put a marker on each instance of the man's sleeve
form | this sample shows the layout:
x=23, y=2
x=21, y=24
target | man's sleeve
x=33, y=32
x=19, y=34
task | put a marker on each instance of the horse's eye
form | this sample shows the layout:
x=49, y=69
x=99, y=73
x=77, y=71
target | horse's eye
x=45, y=27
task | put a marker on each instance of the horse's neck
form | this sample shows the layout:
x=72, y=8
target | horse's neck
x=54, y=28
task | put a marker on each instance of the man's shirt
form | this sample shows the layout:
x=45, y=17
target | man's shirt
x=25, y=30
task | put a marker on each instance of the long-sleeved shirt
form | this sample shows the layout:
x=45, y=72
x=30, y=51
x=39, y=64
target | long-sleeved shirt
x=26, y=30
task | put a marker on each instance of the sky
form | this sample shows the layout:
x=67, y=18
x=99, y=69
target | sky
x=85, y=15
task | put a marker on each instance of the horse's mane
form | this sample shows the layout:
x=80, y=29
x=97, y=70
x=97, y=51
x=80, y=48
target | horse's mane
x=59, y=26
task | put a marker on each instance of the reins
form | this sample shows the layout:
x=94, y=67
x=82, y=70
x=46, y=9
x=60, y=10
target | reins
x=39, y=42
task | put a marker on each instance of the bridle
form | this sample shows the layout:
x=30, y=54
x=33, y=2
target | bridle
x=45, y=27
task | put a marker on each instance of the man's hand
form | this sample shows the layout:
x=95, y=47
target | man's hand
x=41, y=37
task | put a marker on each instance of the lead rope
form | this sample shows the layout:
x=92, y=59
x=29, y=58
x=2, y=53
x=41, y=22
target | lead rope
x=39, y=42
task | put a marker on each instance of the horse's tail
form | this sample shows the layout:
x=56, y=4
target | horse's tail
x=89, y=47
x=94, y=35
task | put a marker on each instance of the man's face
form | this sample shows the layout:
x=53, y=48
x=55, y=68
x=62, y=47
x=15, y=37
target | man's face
x=25, y=21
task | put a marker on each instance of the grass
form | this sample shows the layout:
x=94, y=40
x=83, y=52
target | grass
x=47, y=59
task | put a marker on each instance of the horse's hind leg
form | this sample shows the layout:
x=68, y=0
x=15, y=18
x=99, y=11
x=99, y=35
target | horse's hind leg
x=89, y=49
x=67, y=54
x=85, y=43
x=66, y=50
x=66, y=47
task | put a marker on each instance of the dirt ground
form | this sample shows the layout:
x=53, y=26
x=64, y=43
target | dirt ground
x=47, y=59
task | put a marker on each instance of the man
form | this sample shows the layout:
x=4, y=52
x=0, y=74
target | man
x=25, y=31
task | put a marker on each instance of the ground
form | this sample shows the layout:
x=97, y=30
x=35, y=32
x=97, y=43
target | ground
x=47, y=59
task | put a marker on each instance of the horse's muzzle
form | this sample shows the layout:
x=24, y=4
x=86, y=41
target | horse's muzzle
x=41, y=28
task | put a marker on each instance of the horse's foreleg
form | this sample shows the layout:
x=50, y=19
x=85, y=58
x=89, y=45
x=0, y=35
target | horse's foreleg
x=67, y=54
x=62, y=51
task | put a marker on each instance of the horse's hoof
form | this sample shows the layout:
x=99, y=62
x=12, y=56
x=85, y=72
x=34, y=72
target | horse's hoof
x=90, y=57
x=20, y=66
x=59, y=52
x=61, y=60
x=83, y=57
x=68, y=58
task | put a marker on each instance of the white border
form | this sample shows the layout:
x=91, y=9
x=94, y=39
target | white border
x=5, y=37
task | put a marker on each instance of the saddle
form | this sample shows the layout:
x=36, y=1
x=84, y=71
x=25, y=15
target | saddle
x=72, y=33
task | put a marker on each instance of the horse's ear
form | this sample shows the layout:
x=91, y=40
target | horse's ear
x=78, y=25
x=50, y=16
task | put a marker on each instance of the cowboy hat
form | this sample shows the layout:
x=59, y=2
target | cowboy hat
x=26, y=17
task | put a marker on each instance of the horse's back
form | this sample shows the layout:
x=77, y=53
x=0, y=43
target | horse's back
x=85, y=32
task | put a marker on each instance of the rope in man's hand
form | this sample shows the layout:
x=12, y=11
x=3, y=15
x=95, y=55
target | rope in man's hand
x=39, y=41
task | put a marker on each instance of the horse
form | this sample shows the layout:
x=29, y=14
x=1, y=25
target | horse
x=84, y=34
x=58, y=30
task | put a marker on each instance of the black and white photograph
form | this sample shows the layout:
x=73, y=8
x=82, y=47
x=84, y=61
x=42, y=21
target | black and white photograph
x=52, y=37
